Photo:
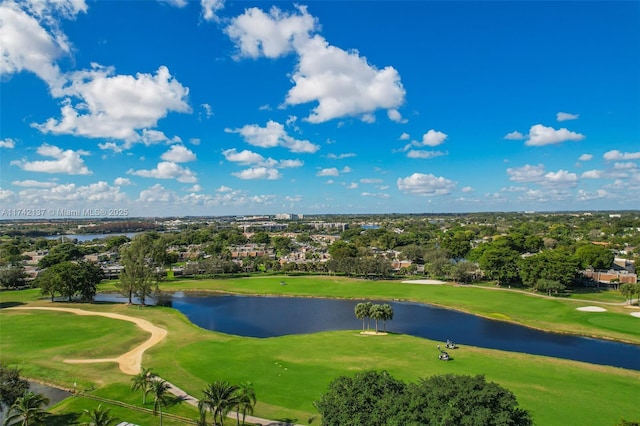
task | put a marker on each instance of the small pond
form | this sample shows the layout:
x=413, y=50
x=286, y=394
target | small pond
x=262, y=317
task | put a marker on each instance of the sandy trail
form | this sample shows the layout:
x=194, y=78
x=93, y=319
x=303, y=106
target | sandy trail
x=130, y=362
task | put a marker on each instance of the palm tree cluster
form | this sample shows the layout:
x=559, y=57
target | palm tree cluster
x=367, y=311
x=150, y=383
x=221, y=397
x=27, y=410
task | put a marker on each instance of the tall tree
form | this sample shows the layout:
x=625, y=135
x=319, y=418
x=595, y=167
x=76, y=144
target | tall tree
x=218, y=397
x=376, y=313
x=99, y=416
x=500, y=263
x=387, y=314
x=159, y=389
x=594, y=256
x=245, y=400
x=27, y=410
x=12, y=386
x=142, y=381
x=139, y=277
x=361, y=312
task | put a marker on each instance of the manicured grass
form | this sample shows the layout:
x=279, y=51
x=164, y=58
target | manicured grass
x=290, y=372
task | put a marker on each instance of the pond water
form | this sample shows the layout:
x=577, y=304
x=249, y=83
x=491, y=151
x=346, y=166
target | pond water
x=262, y=317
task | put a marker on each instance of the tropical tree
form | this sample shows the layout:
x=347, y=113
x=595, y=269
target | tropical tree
x=549, y=286
x=245, y=400
x=594, y=256
x=629, y=290
x=99, y=417
x=159, y=388
x=362, y=312
x=376, y=313
x=219, y=398
x=27, y=410
x=387, y=312
x=12, y=386
x=138, y=277
x=142, y=381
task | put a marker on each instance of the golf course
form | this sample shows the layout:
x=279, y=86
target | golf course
x=290, y=372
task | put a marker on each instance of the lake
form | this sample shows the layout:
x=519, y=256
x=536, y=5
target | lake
x=256, y=316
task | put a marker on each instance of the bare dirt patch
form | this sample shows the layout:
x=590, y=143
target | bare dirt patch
x=591, y=309
x=130, y=362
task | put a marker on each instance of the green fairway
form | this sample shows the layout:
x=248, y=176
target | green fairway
x=290, y=372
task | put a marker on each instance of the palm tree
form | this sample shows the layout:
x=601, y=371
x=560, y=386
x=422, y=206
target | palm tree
x=219, y=398
x=368, y=306
x=376, y=313
x=142, y=381
x=387, y=311
x=99, y=417
x=159, y=389
x=245, y=400
x=361, y=312
x=27, y=410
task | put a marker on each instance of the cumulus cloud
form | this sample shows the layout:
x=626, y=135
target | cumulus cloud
x=258, y=173
x=564, y=116
x=7, y=143
x=424, y=154
x=67, y=162
x=273, y=135
x=585, y=157
x=394, y=115
x=179, y=154
x=560, y=179
x=376, y=195
x=122, y=107
x=341, y=156
x=194, y=188
x=527, y=173
x=592, y=174
x=29, y=183
x=514, y=136
x=425, y=185
x=370, y=180
x=540, y=135
x=405, y=136
x=72, y=195
x=342, y=83
x=467, y=189
x=167, y=170
x=583, y=195
x=332, y=171
x=210, y=9
x=157, y=193
x=616, y=155
x=242, y=157
x=122, y=181
x=433, y=138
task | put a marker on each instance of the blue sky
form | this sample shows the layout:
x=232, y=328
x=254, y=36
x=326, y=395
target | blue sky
x=215, y=108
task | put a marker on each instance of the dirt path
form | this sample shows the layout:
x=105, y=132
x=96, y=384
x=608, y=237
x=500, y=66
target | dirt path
x=130, y=362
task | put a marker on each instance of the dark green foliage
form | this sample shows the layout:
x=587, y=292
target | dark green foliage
x=594, y=256
x=376, y=398
x=12, y=386
x=500, y=262
x=63, y=252
x=12, y=276
x=556, y=265
x=69, y=279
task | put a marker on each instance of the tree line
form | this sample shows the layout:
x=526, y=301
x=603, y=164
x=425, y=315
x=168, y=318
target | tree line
x=367, y=311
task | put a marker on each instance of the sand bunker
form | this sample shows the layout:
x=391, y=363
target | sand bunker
x=636, y=314
x=130, y=362
x=592, y=309
x=424, y=282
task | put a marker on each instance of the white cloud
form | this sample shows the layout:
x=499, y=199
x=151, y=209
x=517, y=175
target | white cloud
x=467, y=189
x=370, y=180
x=425, y=185
x=341, y=156
x=342, y=83
x=616, y=155
x=110, y=146
x=564, y=116
x=68, y=162
x=208, y=111
x=175, y=3
x=122, y=107
x=376, y=195
x=405, y=136
x=258, y=173
x=157, y=193
x=273, y=135
x=352, y=185
x=73, y=196
x=527, y=173
x=332, y=171
x=540, y=135
x=560, y=179
x=194, y=141
x=242, y=157
x=122, y=181
x=585, y=157
x=257, y=33
x=194, y=188
x=625, y=166
x=346, y=169
x=433, y=138
x=514, y=136
x=394, y=115
x=588, y=196
x=210, y=9
x=167, y=170
x=179, y=154
x=592, y=174
x=29, y=183
x=224, y=189
x=424, y=154
x=7, y=143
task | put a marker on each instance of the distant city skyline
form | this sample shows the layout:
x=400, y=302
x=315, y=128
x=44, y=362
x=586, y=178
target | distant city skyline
x=214, y=108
